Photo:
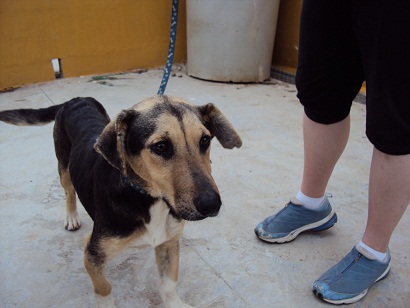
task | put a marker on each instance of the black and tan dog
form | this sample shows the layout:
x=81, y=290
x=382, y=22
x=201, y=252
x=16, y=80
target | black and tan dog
x=139, y=176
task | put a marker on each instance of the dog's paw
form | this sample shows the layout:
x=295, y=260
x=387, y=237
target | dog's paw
x=72, y=221
x=104, y=301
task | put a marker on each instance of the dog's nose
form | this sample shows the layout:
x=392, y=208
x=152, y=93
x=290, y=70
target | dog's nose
x=208, y=203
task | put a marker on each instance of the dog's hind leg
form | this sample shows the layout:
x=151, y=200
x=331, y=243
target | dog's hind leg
x=72, y=220
x=62, y=147
x=167, y=258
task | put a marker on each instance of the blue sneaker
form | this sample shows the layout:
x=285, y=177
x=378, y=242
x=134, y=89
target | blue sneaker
x=293, y=219
x=350, y=279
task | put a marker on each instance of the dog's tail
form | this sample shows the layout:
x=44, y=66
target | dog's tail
x=30, y=116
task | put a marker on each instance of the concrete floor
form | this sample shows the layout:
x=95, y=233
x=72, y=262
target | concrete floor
x=223, y=264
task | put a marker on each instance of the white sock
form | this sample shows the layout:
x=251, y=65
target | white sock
x=308, y=202
x=381, y=256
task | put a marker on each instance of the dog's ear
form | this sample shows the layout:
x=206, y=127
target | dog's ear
x=219, y=126
x=111, y=143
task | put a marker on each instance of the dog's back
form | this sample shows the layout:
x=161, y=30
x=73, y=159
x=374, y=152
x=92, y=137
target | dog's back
x=81, y=120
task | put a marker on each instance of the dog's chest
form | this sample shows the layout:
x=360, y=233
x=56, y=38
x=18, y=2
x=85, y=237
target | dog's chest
x=162, y=226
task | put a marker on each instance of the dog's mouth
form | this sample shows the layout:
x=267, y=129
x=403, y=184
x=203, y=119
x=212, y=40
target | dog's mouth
x=192, y=213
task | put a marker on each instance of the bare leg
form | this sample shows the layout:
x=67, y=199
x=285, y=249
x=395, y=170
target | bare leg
x=389, y=196
x=323, y=145
x=389, y=184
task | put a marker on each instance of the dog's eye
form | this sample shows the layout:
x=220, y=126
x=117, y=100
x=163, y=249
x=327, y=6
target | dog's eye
x=163, y=149
x=204, y=143
x=160, y=147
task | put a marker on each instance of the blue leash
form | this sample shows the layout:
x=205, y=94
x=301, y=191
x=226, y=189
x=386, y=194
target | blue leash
x=171, y=47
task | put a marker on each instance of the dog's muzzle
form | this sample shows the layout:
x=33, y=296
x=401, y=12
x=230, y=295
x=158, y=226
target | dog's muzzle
x=208, y=203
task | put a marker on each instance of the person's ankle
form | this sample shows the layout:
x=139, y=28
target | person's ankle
x=379, y=256
x=309, y=202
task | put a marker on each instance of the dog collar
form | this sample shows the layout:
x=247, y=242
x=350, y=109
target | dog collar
x=127, y=180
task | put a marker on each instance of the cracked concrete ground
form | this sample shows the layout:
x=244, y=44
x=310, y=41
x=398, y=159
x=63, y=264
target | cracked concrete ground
x=222, y=263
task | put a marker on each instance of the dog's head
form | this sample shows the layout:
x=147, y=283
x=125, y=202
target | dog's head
x=163, y=145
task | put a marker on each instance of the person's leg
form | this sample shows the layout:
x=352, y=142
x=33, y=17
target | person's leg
x=379, y=29
x=323, y=145
x=328, y=78
x=389, y=197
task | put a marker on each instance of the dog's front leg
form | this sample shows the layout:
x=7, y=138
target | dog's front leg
x=167, y=257
x=94, y=261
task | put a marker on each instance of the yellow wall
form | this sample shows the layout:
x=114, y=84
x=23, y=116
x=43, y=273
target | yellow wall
x=104, y=36
x=90, y=37
x=285, y=54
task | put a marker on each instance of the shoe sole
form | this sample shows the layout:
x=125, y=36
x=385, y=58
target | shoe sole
x=357, y=297
x=320, y=225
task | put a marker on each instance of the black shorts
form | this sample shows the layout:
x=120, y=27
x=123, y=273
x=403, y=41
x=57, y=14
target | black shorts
x=343, y=43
